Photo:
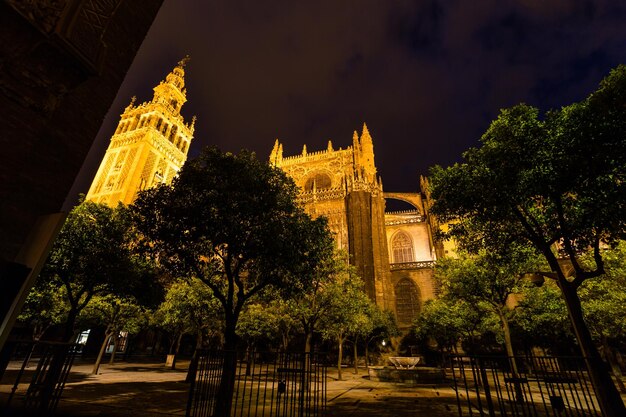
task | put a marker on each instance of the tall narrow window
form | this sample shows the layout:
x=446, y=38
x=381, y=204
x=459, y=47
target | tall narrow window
x=407, y=301
x=402, y=248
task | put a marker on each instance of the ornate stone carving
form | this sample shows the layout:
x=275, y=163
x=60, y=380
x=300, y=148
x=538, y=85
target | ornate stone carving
x=412, y=265
x=154, y=131
x=43, y=14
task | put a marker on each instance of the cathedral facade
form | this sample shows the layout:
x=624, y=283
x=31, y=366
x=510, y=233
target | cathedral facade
x=394, y=252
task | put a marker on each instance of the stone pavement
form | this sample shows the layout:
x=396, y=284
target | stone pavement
x=149, y=389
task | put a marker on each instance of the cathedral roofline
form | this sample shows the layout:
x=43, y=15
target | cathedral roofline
x=277, y=158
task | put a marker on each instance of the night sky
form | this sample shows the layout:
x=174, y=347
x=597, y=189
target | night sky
x=426, y=76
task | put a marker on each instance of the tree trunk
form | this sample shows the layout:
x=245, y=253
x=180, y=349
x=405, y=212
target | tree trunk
x=226, y=389
x=116, y=340
x=508, y=344
x=339, y=357
x=249, y=359
x=68, y=333
x=174, y=347
x=367, y=355
x=193, y=365
x=285, y=341
x=307, y=342
x=356, y=358
x=608, y=397
x=103, y=348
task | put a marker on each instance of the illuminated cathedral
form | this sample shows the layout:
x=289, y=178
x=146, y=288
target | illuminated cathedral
x=394, y=252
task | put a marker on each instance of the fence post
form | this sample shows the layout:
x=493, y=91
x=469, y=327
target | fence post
x=485, y=381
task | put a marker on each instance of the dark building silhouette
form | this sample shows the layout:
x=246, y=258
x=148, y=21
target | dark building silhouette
x=61, y=65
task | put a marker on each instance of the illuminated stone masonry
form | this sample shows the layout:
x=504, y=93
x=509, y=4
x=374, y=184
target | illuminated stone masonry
x=393, y=251
x=149, y=146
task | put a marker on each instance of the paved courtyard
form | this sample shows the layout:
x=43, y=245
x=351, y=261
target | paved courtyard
x=149, y=389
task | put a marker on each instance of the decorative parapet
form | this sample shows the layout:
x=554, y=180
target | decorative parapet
x=412, y=265
x=409, y=220
x=314, y=156
x=404, y=212
x=321, y=195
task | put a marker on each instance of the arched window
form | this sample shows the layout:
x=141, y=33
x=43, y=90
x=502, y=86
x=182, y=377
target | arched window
x=407, y=301
x=173, y=133
x=318, y=181
x=135, y=122
x=402, y=248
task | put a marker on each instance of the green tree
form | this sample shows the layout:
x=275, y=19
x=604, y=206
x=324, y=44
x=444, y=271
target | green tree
x=232, y=221
x=91, y=256
x=45, y=306
x=541, y=319
x=362, y=327
x=488, y=280
x=603, y=303
x=116, y=314
x=346, y=312
x=189, y=307
x=286, y=323
x=257, y=323
x=448, y=321
x=546, y=181
x=384, y=326
x=310, y=306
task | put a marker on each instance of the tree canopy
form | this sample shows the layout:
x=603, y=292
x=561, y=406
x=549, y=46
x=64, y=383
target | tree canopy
x=91, y=256
x=232, y=221
x=559, y=180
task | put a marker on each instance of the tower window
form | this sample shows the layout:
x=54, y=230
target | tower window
x=173, y=133
x=407, y=301
x=402, y=248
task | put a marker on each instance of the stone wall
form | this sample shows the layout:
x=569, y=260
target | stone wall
x=61, y=64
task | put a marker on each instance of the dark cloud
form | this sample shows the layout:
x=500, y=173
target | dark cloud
x=427, y=76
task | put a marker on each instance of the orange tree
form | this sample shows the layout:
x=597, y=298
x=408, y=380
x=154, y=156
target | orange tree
x=92, y=256
x=545, y=181
x=232, y=221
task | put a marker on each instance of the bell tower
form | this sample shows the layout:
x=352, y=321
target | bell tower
x=149, y=146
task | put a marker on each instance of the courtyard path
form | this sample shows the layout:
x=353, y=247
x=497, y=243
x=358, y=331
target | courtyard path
x=140, y=389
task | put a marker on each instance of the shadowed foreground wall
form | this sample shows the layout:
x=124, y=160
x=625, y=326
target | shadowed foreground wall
x=61, y=64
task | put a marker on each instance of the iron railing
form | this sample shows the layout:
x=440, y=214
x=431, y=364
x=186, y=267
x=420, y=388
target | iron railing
x=45, y=366
x=534, y=386
x=266, y=384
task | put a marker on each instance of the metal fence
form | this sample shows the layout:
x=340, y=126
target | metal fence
x=266, y=385
x=534, y=386
x=39, y=381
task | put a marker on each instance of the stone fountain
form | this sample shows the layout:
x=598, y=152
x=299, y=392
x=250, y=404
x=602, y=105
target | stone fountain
x=406, y=369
